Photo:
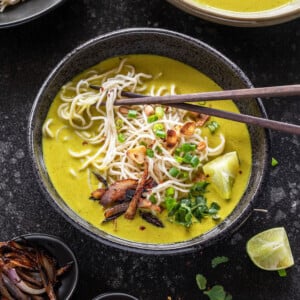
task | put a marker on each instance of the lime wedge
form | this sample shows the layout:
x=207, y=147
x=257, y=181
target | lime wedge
x=270, y=250
x=222, y=172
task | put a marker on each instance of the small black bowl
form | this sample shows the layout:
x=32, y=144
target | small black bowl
x=115, y=296
x=63, y=255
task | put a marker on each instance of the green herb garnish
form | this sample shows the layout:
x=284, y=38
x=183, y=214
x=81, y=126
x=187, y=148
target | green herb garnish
x=213, y=126
x=119, y=124
x=194, y=206
x=149, y=152
x=219, y=260
x=174, y=172
x=132, y=114
x=121, y=138
x=170, y=191
x=201, y=281
x=274, y=162
x=282, y=273
x=216, y=293
x=153, y=199
x=159, y=112
x=152, y=118
x=187, y=147
x=160, y=133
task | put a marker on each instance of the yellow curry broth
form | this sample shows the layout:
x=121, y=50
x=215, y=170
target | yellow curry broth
x=244, y=6
x=76, y=190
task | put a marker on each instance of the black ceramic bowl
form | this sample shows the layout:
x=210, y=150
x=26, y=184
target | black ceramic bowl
x=27, y=11
x=62, y=254
x=179, y=47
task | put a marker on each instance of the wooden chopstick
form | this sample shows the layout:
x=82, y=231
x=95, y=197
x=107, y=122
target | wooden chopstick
x=238, y=94
x=266, y=123
x=178, y=102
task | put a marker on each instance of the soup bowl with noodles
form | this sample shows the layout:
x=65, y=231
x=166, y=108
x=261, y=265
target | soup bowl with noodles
x=146, y=178
x=247, y=13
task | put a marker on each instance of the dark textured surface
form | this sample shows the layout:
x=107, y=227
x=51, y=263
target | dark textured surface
x=269, y=56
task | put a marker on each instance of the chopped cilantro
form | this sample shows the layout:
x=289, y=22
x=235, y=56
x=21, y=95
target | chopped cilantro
x=274, y=162
x=201, y=281
x=219, y=260
x=216, y=293
x=153, y=199
x=194, y=206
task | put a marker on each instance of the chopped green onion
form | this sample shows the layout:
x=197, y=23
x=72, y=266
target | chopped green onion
x=187, y=158
x=121, y=138
x=158, y=149
x=170, y=203
x=158, y=126
x=153, y=199
x=195, y=161
x=213, y=126
x=152, y=118
x=119, y=124
x=187, y=147
x=174, y=172
x=177, y=151
x=132, y=114
x=179, y=159
x=274, y=162
x=160, y=133
x=159, y=111
x=150, y=152
x=282, y=273
x=170, y=191
x=184, y=175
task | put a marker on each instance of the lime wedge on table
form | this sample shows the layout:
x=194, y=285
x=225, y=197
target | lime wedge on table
x=270, y=250
x=222, y=172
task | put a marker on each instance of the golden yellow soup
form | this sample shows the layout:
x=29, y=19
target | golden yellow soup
x=244, y=6
x=75, y=185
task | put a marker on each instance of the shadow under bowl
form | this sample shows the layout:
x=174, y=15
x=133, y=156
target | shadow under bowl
x=62, y=254
x=176, y=46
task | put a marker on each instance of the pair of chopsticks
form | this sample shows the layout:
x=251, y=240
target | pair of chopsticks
x=179, y=101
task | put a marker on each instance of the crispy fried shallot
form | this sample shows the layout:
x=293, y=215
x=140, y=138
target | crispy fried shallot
x=27, y=272
x=171, y=139
x=117, y=191
x=131, y=210
x=188, y=128
x=117, y=198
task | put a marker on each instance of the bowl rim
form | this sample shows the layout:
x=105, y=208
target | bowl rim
x=44, y=237
x=109, y=294
x=268, y=17
x=84, y=226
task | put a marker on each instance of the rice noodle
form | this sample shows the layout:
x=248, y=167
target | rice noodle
x=5, y=3
x=95, y=120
